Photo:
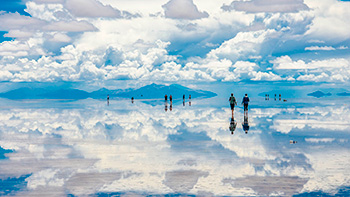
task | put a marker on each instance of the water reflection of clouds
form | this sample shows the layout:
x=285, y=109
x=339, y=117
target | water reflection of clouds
x=188, y=150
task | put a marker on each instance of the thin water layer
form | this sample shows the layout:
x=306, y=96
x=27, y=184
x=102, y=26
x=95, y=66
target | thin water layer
x=152, y=147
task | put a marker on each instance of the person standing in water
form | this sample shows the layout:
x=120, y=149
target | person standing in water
x=107, y=99
x=245, y=102
x=233, y=102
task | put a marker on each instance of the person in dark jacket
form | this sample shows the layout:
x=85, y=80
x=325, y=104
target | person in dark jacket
x=245, y=102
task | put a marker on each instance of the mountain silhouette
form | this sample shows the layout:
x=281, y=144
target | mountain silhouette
x=152, y=91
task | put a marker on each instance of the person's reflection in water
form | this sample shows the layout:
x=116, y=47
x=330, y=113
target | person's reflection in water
x=245, y=124
x=171, y=105
x=233, y=124
x=132, y=99
x=166, y=106
x=183, y=100
x=189, y=100
x=107, y=99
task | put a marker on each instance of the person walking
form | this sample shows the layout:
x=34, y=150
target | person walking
x=245, y=102
x=233, y=102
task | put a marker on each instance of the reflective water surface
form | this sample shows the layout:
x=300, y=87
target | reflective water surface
x=86, y=147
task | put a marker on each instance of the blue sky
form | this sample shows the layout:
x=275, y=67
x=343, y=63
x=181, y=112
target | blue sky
x=174, y=40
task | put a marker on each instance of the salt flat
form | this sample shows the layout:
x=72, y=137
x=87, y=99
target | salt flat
x=86, y=147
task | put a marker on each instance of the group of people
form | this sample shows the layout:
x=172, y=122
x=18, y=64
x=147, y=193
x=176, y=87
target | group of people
x=233, y=102
x=171, y=101
x=233, y=123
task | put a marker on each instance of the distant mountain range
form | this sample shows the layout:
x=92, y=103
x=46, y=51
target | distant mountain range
x=344, y=94
x=319, y=94
x=152, y=91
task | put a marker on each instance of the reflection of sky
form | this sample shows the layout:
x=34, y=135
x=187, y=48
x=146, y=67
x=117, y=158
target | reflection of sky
x=86, y=147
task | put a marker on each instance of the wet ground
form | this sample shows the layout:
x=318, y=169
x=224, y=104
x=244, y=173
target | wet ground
x=60, y=147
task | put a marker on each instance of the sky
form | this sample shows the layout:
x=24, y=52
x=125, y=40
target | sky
x=174, y=40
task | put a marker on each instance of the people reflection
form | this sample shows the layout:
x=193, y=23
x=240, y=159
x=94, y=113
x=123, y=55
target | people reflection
x=183, y=100
x=245, y=123
x=233, y=124
x=132, y=99
x=189, y=100
x=171, y=106
x=166, y=105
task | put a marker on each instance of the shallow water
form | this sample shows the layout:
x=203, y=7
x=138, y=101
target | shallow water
x=86, y=147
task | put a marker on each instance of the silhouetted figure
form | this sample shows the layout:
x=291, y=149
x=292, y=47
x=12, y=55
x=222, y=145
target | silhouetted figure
x=245, y=124
x=171, y=98
x=166, y=106
x=233, y=124
x=233, y=102
x=275, y=97
x=108, y=99
x=132, y=99
x=292, y=142
x=189, y=99
x=166, y=97
x=183, y=97
x=265, y=97
x=245, y=102
x=280, y=97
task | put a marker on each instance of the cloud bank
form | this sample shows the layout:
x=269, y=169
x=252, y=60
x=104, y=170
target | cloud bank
x=178, y=40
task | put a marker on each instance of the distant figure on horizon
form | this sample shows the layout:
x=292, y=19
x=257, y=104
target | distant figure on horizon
x=275, y=97
x=132, y=99
x=245, y=102
x=233, y=102
x=189, y=98
x=233, y=125
x=183, y=97
x=166, y=97
x=108, y=99
x=280, y=97
x=171, y=98
x=245, y=124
